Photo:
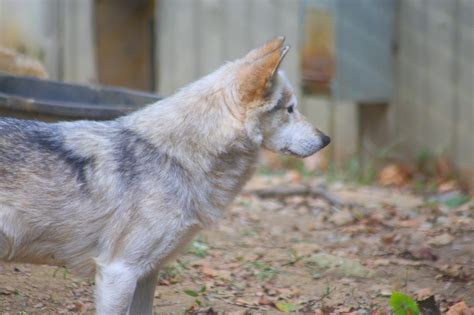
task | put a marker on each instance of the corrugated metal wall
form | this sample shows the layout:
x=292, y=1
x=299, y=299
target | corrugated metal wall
x=197, y=36
x=434, y=104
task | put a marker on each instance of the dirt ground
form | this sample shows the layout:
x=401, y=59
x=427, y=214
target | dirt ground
x=296, y=253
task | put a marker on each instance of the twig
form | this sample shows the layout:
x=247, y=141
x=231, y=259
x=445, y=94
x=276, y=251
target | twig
x=239, y=304
x=288, y=191
x=166, y=304
x=312, y=303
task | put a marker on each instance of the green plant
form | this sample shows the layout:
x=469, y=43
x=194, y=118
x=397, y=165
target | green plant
x=402, y=304
x=286, y=307
x=354, y=171
x=457, y=201
x=199, y=249
x=198, y=295
x=294, y=258
x=425, y=162
x=263, y=271
x=173, y=272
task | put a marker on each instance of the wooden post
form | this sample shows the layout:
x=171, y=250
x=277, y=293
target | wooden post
x=124, y=42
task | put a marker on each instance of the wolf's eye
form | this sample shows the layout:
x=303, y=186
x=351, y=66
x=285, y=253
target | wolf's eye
x=290, y=109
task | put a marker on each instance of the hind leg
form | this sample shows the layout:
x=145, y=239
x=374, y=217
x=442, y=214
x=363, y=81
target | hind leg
x=4, y=246
x=142, y=303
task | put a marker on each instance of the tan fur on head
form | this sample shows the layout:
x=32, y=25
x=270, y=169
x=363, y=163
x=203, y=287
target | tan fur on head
x=259, y=68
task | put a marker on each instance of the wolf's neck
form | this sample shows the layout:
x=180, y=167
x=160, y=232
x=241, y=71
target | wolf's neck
x=206, y=139
x=191, y=122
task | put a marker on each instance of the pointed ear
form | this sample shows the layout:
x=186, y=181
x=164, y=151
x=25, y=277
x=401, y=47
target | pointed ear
x=255, y=77
x=269, y=46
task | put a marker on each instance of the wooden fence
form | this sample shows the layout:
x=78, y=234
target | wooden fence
x=433, y=107
x=433, y=103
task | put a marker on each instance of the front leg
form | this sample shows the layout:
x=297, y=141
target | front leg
x=115, y=285
x=142, y=303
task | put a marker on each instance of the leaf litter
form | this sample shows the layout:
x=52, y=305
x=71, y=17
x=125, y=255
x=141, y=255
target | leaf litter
x=299, y=252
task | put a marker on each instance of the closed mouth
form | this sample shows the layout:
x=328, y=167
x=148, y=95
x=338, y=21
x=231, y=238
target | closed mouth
x=290, y=152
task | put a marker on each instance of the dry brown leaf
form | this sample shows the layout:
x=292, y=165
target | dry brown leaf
x=288, y=292
x=393, y=175
x=264, y=300
x=388, y=239
x=78, y=307
x=444, y=168
x=381, y=262
x=423, y=294
x=460, y=308
x=453, y=271
x=241, y=301
x=413, y=223
x=305, y=249
x=342, y=217
x=215, y=273
x=441, y=240
x=294, y=177
x=449, y=185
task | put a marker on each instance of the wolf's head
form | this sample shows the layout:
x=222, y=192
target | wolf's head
x=269, y=106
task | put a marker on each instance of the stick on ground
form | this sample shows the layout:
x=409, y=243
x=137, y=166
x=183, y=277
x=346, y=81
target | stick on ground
x=287, y=191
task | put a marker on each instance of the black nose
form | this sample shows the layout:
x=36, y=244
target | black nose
x=326, y=140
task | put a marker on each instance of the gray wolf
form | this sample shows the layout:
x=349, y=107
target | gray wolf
x=119, y=198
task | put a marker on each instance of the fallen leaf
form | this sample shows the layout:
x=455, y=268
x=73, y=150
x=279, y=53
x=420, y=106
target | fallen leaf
x=448, y=186
x=393, y=175
x=381, y=262
x=191, y=293
x=305, y=249
x=286, y=307
x=287, y=292
x=412, y=223
x=460, y=308
x=78, y=307
x=7, y=291
x=453, y=271
x=294, y=176
x=423, y=294
x=444, y=167
x=240, y=301
x=419, y=253
x=385, y=292
x=264, y=300
x=342, y=217
x=441, y=240
x=388, y=239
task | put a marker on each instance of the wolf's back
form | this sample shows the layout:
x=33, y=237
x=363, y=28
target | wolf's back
x=31, y=151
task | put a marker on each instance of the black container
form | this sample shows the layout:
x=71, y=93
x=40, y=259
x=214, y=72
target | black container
x=31, y=98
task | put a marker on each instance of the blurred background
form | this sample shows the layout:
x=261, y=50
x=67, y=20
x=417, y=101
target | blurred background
x=389, y=80
x=392, y=83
